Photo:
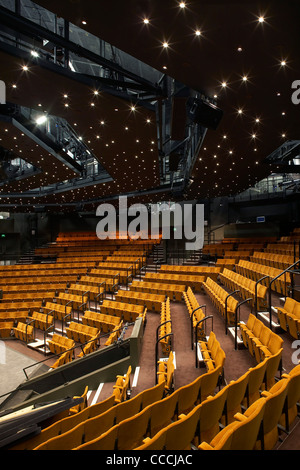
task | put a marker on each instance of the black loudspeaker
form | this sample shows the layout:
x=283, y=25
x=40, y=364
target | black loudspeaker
x=206, y=114
x=174, y=159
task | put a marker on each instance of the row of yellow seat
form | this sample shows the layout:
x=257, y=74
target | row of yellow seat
x=237, y=255
x=42, y=321
x=92, y=292
x=77, y=301
x=165, y=373
x=114, y=335
x=103, y=322
x=165, y=330
x=112, y=273
x=184, y=422
x=218, y=297
x=64, y=358
x=59, y=344
x=41, y=273
x=211, y=271
x=24, y=332
x=196, y=310
x=260, y=340
x=152, y=302
x=126, y=311
x=273, y=259
x=243, y=391
x=90, y=346
x=110, y=284
x=212, y=353
x=228, y=263
x=246, y=287
x=59, y=311
x=26, y=269
x=81, y=333
x=289, y=317
x=173, y=291
x=103, y=410
x=256, y=428
x=6, y=329
x=181, y=279
x=58, y=285
x=36, y=282
x=41, y=296
x=256, y=271
x=282, y=249
x=27, y=306
x=155, y=416
x=122, y=386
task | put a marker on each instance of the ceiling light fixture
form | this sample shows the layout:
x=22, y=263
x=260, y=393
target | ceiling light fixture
x=41, y=120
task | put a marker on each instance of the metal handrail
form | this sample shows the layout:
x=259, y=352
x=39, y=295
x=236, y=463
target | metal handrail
x=226, y=302
x=270, y=289
x=256, y=285
x=192, y=328
x=71, y=349
x=156, y=352
x=160, y=325
x=196, y=334
x=236, y=319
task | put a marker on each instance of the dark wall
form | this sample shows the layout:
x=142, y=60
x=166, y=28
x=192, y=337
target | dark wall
x=238, y=220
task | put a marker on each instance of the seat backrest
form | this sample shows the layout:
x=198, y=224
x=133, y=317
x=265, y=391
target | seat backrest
x=156, y=443
x=188, y=395
x=275, y=399
x=273, y=365
x=180, y=434
x=236, y=392
x=275, y=343
x=162, y=413
x=210, y=415
x=209, y=382
x=246, y=432
x=251, y=321
x=296, y=310
x=256, y=376
x=132, y=431
x=265, y=335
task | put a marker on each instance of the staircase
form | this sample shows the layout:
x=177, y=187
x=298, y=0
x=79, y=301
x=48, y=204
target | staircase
x=27, y=258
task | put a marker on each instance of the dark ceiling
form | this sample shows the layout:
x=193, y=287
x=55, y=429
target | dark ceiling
x=232, y=44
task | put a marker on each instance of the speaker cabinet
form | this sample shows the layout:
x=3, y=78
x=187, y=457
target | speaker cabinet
x=206, y=114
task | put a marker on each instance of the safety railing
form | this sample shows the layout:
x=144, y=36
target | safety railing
x=196, y=333
x=237, y=319
x=255, y=298
x=192, y=322
x=81, y=346
x=226, y=308
x=283, y=273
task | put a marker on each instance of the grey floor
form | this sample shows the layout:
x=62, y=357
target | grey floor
x=11, y=368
